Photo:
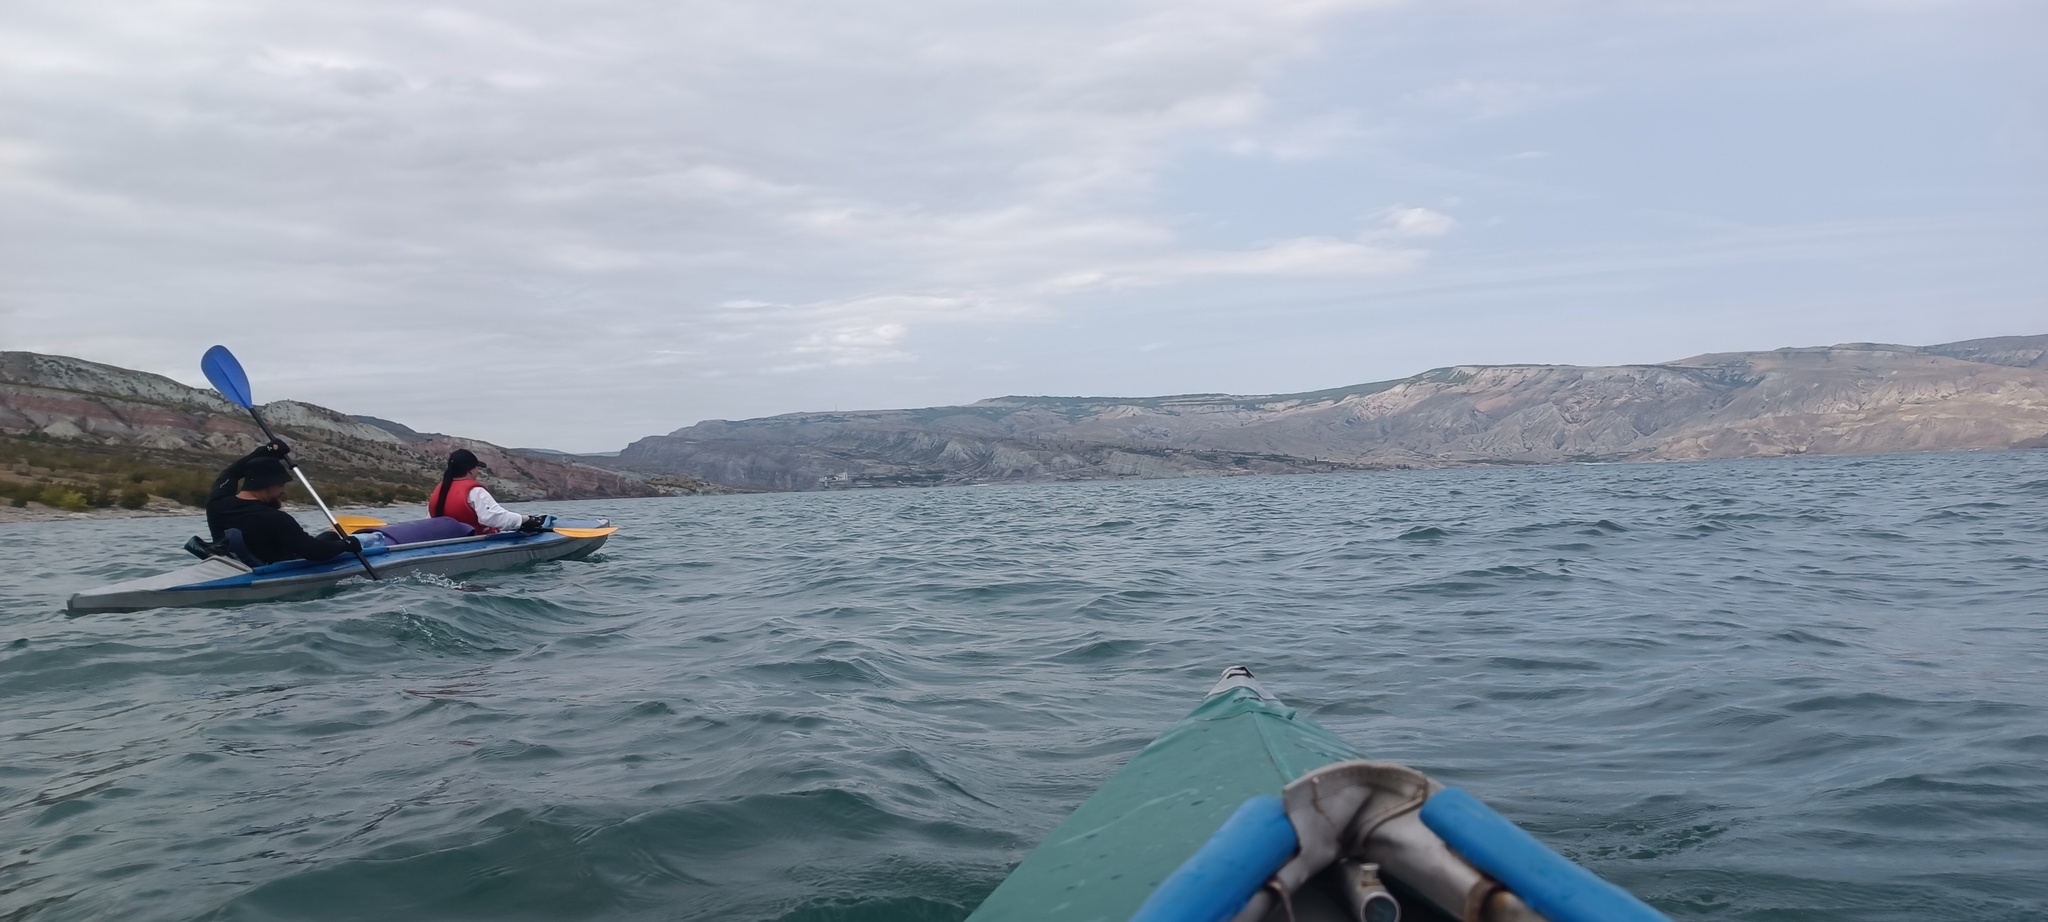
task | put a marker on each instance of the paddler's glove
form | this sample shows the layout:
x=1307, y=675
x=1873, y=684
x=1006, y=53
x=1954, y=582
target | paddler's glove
x=537, y=523
x=275, y=449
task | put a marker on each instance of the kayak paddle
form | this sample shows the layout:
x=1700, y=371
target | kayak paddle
x=227, y=376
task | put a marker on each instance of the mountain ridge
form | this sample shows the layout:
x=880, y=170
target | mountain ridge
x=76, y=428
x=78, y=434
x=1853, y=398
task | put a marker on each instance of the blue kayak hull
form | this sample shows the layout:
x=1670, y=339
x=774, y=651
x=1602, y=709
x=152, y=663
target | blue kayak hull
x=219, y=580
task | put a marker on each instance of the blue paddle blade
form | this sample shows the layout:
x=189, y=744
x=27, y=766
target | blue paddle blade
x=227, y=377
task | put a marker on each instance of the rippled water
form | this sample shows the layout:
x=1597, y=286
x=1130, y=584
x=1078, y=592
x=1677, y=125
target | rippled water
x=1810, y=689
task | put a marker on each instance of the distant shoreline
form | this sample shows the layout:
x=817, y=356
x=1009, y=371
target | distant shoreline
x=37, y=513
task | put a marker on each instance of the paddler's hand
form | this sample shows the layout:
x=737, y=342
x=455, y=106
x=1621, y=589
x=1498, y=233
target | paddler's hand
x=535, y=524
x=276, y=448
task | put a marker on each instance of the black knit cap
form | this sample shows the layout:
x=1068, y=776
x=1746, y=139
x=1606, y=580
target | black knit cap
x=264, y=472
x=461, y=461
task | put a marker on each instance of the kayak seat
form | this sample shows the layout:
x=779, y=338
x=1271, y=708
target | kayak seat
x=239, y=549
x=438, y=528
x=200, y=547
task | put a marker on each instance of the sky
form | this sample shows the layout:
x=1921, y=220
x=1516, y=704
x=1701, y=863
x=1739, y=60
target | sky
x=571, y=225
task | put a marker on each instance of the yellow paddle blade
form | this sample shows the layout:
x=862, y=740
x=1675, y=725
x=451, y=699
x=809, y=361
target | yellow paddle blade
x=584, y=532
x=350, y=524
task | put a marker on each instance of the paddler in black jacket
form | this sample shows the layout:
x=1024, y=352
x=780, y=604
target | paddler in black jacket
x=268, y=532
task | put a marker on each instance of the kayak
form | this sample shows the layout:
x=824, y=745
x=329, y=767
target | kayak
x=221, y=578
x=1248, y=811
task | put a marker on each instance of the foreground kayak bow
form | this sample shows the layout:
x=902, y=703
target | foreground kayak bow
x=1245, y=809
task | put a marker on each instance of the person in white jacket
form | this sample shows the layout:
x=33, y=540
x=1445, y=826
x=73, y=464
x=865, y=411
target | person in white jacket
x=459, y=496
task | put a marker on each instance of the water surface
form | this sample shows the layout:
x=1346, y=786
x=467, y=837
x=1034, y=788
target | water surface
x=1772, y=690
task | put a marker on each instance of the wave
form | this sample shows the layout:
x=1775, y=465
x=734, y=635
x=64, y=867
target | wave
x=1742, y=690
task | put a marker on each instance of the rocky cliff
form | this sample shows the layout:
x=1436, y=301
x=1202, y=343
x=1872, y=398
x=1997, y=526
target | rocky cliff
x=71, y=422
x=1849, y=399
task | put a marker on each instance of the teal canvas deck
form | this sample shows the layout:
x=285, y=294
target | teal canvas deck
x=1105, y=859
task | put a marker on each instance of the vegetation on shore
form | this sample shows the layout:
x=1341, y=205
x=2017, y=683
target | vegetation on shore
x=76, y=476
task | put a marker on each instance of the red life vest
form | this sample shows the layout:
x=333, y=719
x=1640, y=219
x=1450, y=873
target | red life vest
x=457, y=506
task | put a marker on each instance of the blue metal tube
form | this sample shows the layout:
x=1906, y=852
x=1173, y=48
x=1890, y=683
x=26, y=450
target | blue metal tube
x=1548, y=882
x=1222, y=876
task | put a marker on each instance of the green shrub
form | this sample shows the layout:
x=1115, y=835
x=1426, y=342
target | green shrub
x=57, y=496
x=134, y=498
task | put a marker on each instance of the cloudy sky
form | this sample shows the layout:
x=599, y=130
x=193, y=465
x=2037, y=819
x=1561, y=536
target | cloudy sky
x=574, y=224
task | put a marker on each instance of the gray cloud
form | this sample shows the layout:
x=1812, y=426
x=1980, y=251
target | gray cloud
x=572, y=225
